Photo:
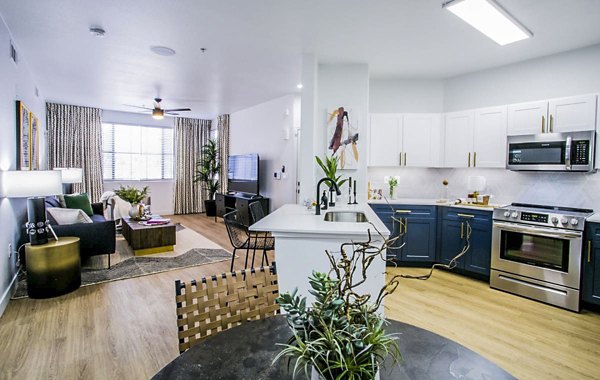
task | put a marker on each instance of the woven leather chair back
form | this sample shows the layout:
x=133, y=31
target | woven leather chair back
x=238, y=233
x=217, y=303
x=257, y=212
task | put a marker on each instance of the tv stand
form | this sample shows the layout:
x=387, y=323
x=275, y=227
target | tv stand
x=240, y=202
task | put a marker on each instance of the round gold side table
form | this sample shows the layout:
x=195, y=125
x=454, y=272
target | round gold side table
x=53, y=268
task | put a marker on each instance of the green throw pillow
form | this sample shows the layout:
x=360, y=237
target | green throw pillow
x=80, y=201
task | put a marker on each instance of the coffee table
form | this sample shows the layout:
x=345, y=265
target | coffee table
x=146, y=240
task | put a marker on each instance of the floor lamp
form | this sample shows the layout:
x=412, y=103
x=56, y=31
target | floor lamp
x=34, y=185
x=69, y=177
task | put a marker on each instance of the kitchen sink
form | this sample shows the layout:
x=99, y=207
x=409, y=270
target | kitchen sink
x=346, y=216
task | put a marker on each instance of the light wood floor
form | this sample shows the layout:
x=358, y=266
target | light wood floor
x=126, y=329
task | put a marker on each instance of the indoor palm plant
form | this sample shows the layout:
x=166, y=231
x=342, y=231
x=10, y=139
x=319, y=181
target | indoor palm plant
x=341, y=335
x=207, y=171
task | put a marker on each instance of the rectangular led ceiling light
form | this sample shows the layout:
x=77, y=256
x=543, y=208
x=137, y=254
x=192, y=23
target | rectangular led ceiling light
x=489, y=18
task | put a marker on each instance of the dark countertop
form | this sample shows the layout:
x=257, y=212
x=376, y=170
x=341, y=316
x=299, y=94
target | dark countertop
x=247, y=351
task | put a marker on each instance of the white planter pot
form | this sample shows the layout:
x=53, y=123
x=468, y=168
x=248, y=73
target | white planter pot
x=134, y=211
x=314, y=375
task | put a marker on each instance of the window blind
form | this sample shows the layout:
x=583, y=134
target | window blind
x=137, y=152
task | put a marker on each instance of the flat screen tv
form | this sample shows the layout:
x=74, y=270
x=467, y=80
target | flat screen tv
x=243, y=174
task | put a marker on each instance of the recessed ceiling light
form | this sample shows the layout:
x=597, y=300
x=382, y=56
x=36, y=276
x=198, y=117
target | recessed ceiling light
x=162, y=50
x=299, y=86
x=489, y=18
x=97, y=31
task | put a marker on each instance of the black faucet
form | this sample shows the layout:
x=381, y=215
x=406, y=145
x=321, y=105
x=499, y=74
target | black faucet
x=333, y=185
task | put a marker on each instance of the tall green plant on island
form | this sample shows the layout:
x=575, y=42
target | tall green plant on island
x=208, y=167
x=341, y=335
x=329, y=167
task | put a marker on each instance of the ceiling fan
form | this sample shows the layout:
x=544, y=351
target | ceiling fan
x=158, y=112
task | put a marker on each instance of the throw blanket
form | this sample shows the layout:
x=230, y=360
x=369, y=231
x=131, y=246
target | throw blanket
x=120, y=208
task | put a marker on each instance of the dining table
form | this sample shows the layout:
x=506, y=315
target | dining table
x=247, y=352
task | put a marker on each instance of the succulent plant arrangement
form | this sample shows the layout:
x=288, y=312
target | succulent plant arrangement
x=341, y=335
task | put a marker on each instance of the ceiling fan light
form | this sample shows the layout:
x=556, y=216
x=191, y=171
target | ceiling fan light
x=158, y=114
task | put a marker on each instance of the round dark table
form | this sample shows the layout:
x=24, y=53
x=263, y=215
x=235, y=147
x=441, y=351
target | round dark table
x=247, y=351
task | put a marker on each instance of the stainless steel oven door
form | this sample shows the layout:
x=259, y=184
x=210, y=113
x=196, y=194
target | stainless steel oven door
x=547, y=254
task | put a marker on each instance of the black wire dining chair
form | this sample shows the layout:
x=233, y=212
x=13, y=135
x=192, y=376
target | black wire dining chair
x=257, y=212
x=241, y=238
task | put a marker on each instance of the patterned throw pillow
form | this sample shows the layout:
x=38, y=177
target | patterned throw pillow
x=68, y=215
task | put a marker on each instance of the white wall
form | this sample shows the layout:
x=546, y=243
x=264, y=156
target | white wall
x=16, y=84
x=569, y=73
x=347, y=86
x=406, y=95
x=260, y=129
x=161, y=191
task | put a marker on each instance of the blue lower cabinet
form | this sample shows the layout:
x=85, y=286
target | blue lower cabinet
x=456, y=226
x=477, y=258
x=452, y=241
x=590, y=284
x=419, y=240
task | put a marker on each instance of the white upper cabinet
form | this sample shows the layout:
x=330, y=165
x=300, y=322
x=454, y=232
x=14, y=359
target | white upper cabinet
x=404, y=140
x=458, y=150
x=385, y=140
x=489, y=137
x=421, y=140
x=576, y=113
x=527, y=118
x=597, y=161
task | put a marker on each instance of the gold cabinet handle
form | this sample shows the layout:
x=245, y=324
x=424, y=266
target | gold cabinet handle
x=400, y=158
x=589, y=258
x=543, y=122
x=475, y=159
x=405, y=225
x=551, y=124
x=404, y=158
x=462, y=234
x=469, y=160
x=403, y=211
x=466, y=215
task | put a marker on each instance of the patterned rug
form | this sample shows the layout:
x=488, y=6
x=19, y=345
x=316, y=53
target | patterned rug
x=129, y=266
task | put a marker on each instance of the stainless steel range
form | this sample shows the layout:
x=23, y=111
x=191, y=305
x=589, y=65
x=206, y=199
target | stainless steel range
x=536, y=252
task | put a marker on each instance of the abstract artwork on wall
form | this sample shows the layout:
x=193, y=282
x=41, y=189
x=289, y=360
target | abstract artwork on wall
x=28, y=156
x=342, y=137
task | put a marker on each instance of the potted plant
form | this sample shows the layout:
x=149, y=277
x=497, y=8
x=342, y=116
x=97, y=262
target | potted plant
x=207, y=171
x=329, y=167
x=341, y=335
x=134, y=196
x=392, y=181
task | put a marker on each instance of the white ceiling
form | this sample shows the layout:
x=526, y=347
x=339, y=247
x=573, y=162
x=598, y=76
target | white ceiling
x=255, y=47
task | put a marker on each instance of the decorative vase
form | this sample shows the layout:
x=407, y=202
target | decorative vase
x=136, y=211
x=392, y=192
x=314, y=374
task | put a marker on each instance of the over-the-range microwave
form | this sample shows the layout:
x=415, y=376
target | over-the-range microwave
x=568, y=151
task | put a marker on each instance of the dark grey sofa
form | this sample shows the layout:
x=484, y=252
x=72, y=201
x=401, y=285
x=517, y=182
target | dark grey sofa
x=97, y=238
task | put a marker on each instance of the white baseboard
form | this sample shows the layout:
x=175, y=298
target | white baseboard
x=8, y=293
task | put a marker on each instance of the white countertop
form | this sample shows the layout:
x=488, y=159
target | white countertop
x=293, y=218
x=431, y=202
x=594, y=218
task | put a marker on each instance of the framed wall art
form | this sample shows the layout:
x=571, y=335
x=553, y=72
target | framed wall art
x=28, y=155
x=342, y=137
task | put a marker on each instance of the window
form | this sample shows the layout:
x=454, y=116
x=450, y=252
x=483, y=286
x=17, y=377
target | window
x=136, y=152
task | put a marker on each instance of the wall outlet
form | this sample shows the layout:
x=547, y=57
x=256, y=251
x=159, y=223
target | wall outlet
x=10, y=250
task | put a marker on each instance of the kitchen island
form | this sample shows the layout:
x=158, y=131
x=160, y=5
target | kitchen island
x=301, y=239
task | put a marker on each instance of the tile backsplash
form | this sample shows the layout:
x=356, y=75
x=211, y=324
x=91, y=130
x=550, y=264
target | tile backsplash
x=556, y=189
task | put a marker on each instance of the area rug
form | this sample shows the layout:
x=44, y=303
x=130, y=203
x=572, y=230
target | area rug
x=192, y=249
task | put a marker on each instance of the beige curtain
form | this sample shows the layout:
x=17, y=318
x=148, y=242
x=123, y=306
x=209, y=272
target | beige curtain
x=223, y=145
x=190, y=136
x=75, y=141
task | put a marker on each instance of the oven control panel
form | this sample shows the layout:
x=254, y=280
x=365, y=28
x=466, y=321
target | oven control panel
x=532, y=217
